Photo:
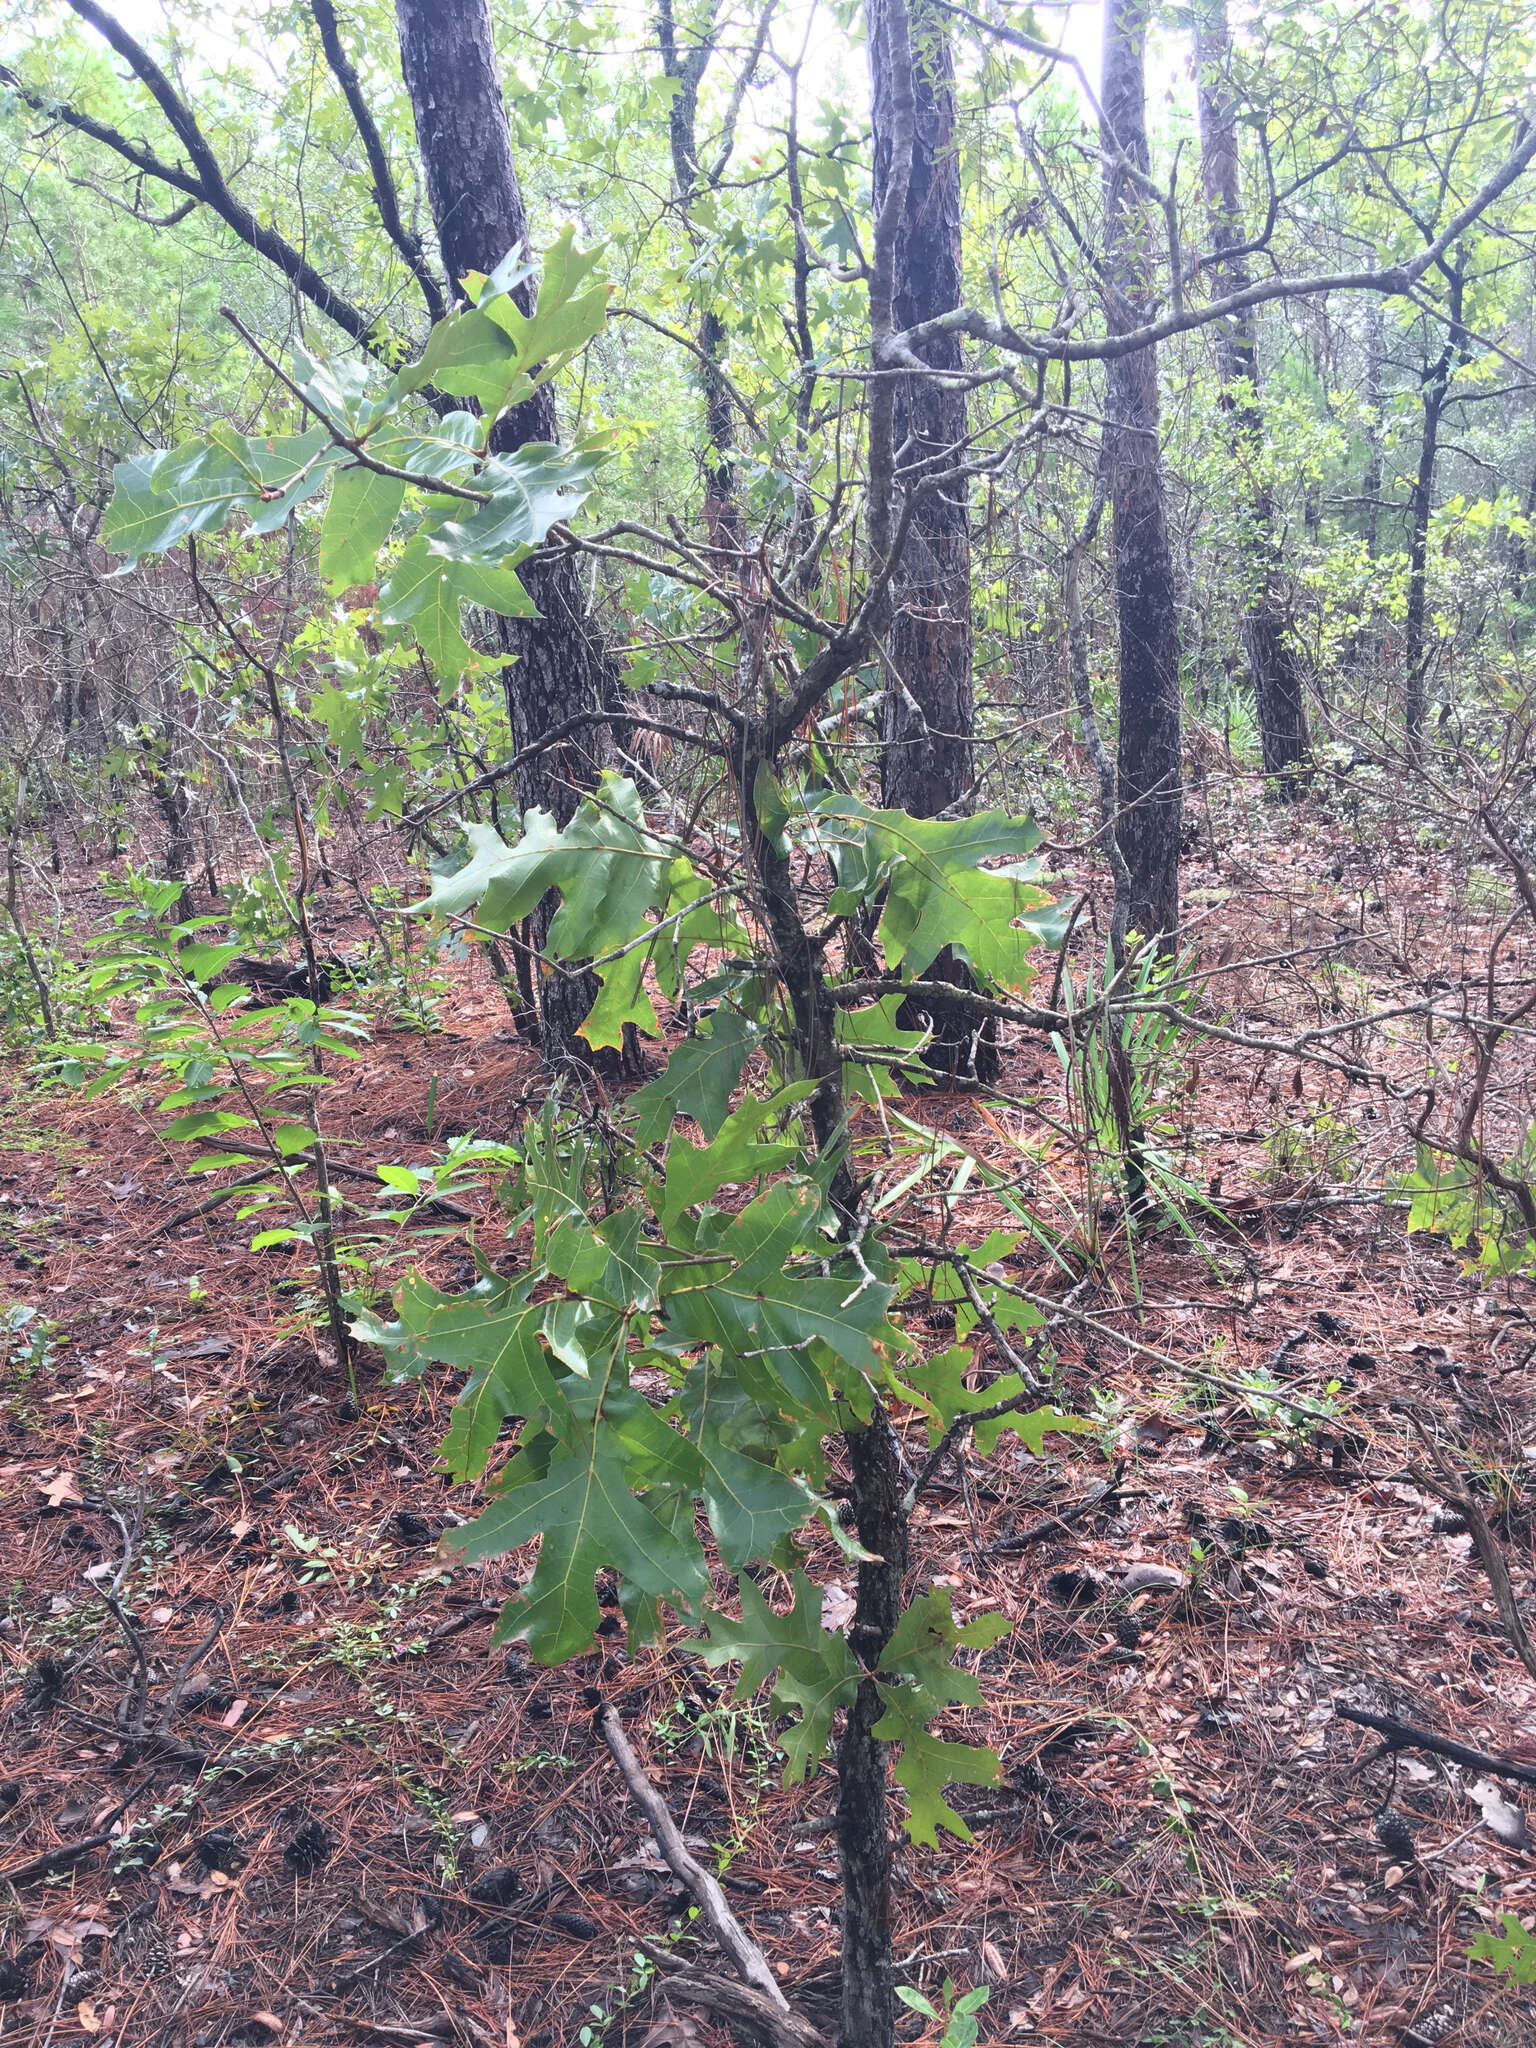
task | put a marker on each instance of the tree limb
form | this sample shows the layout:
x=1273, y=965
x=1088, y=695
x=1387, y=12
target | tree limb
x=385, y=196
x=750, y=1962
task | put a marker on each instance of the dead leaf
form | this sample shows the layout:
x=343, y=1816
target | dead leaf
x=232, y=1718
x=61, y=1490
x=669, y=2029
x=85, y=2013
x=836, y=1605
x=1501, y=1817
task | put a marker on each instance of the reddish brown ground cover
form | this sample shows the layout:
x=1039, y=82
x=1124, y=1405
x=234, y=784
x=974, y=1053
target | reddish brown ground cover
x=341, y=1818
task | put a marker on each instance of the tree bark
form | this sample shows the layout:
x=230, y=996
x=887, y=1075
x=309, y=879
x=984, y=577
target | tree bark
x=863, y=1827
x=1273, y=668
x=1149, y=770
x=927, y=762
x=448, y=60
x=1375, y=375
x=723, y=524
x=1434, y=396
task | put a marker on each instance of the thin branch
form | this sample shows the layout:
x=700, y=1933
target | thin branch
x=384, y=194
x=750, y=1963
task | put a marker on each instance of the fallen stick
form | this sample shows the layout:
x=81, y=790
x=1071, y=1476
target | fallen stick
x=1451, y=1487
x=454, y=1625
x=1062, y=1523
x=1403, y=1735
x=53, y=1860
x=733, y=1940
x=747, y=2012
x=206, y=1207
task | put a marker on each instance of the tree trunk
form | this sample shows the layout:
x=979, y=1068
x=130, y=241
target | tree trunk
x=1150, y=782
x=1375, y=374
x=927, y=762
x=448, y=60
x=863, y=1827
x=1272, y=665
x=1434, y=395
x=723, y=524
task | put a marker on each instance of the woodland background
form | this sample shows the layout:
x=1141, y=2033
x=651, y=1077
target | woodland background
x=947, y=668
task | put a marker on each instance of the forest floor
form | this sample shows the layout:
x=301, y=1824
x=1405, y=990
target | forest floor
x=346, y=1820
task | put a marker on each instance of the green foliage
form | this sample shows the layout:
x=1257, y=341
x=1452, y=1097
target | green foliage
x=756, y=1331
x=474, y=514
x=234, y=1065
x=1512, y=1953
x=955, y=2017
x=1474, y=1214
x=936, y=893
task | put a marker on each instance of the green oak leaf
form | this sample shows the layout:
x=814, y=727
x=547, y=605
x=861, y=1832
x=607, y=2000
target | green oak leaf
x=1512, y=1954
x=750, y=1504
x=766, y=1320
x=585, y=1519
x=506, y=881
x=684, y=928
x=612, y=872
x=164, y=497
x=875, y=1026
x=698, y=1078
x=530, y=490
x=818, y=1689
x=918, y=1681
x=621, y=999
x=363, y=509
x=603, y=1261
x=695, y=1173
x=812, y=1667
x=761, y=1640
x=426, y=594
x=492, y=1333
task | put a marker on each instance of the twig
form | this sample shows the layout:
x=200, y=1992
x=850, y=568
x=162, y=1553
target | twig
x=1449, y=1485
x=207, y=1205
x=1060, y=1524
x=737, y=2004
x=342, y=1170
x=1403, y=1735
x=185, y=1669
x=454, y=1625
x=750, y=1962
x=53, y=1860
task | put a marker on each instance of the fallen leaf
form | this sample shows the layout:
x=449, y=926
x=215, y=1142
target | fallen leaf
x=61, y=1490
x=232, y=1718
x=85, y=2013
x=836, y=1605
x=1501, y=1817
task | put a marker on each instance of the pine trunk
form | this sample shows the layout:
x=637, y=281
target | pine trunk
x=448, y=60
x=927, y=763
x=1435, y=394
x=1272, y=664
x=1150, y=780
